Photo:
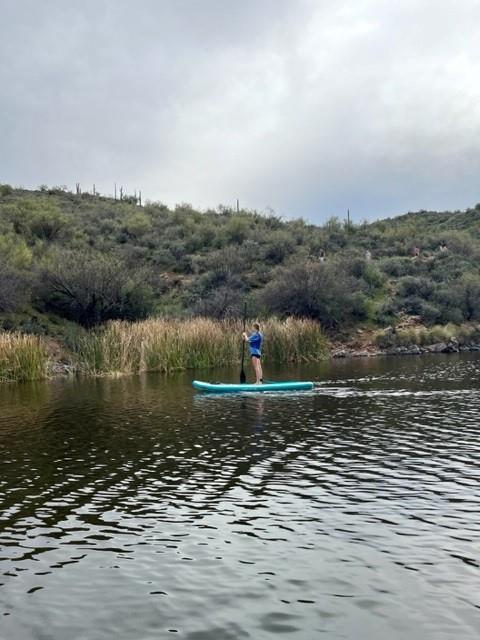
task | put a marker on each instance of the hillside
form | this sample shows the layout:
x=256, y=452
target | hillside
x=69, y=260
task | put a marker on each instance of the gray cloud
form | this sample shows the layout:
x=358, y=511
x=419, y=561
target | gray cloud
x=307, y=106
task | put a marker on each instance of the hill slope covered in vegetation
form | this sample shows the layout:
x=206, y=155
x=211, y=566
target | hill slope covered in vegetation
x=69, y=260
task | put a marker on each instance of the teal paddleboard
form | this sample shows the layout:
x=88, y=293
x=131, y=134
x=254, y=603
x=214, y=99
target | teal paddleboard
x=218, y=387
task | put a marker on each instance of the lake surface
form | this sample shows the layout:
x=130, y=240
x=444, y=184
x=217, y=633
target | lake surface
x=135, y=508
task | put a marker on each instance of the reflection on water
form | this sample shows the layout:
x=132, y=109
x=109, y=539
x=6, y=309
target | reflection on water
x=135, y=508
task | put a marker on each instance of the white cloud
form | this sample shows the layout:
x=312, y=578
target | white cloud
x=309, y=106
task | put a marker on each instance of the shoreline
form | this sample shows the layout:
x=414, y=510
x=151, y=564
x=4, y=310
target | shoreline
x=59, y=368
x=121, y=349
x=409, y=338
x=413, y=350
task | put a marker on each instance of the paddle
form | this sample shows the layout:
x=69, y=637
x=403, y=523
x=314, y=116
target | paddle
x=243, y=377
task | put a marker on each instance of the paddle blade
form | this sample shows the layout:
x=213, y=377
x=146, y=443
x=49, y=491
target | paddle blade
x=243, y=377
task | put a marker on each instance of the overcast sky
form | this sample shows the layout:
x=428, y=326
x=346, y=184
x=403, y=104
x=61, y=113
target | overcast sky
x=308, y=107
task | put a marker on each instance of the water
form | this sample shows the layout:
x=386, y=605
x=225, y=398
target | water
x=136, y=509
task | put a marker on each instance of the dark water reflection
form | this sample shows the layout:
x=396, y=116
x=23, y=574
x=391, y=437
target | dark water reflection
x=136, y=509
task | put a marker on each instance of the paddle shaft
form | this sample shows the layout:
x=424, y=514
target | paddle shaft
x=243, y=377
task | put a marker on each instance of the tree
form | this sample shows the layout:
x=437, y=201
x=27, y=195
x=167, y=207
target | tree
x=224, y=302
x=90, y=289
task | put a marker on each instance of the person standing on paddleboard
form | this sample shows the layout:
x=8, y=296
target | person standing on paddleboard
x=255, y=343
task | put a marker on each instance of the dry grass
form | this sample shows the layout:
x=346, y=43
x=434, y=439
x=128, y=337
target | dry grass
x=465, y=334
x=169, y=345
x=22, y=357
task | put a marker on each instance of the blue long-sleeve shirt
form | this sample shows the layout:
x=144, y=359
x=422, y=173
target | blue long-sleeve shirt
x=255, y=343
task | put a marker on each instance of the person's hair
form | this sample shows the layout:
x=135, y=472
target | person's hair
x=256, y=326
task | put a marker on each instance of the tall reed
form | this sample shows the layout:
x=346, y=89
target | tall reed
x=22, y=357
x=169, y=345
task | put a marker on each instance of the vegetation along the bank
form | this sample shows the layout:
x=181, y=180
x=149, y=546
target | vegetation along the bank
x=23, y=357
x=120, y=347
x=169, y=345
x=70, y=262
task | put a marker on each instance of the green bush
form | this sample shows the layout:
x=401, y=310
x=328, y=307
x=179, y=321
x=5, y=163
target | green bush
x=15, y=252
x=36, y=218
x=138, y=224
x=410, y=286
x=5, y=190
x=361, y=268
x=14, y=289
x=397, y=266
x=323, y=291
x=221, y=302
x=470, y=285
x=430, y=314
x=89, y=289
x=279, y=246
x=385, y=313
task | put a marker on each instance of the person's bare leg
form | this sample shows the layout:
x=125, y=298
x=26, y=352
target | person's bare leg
x=258, y=370
x=254, y=365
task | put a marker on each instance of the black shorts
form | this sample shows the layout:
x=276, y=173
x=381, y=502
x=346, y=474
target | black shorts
x=255, y=355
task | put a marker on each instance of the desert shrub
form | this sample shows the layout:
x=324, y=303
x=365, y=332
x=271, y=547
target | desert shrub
x=410, y=286
x=448, y=267
x=138, y=224
x=324, y=291
x=224, y=262
x=15, y=252
x=279, y=246
x=37, y=218
x=470, y=286
x=458, y=300
x=430, y=313
x=14, y=289
x=397, y=266
x=90, y=289
x=5, y=190
x=373, y=277
x=417, y=306
x=386, y=313
x=361, y=268
x=460, y=243
x=221, y=302
x=450, y=301
x=180, y=259
x=236, y=230
x=162, y=258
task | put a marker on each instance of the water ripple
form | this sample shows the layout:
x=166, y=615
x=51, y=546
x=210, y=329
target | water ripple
x=134, y=508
